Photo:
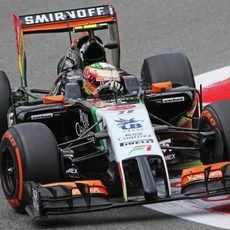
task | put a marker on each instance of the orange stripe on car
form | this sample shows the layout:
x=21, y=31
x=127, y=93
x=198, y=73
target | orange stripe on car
x=197, y=173
x=20, y=183
x=96, y=186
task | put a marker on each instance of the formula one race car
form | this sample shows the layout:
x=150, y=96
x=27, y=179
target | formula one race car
x=102, y=138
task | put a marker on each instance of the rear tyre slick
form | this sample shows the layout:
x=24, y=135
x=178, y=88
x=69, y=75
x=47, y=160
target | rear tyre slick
x=173, y=67
x=28, y=152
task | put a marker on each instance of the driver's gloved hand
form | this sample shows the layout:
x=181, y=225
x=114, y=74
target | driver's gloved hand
x=114, y=85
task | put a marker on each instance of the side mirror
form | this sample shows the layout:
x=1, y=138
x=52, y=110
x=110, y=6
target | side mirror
x=111, y=45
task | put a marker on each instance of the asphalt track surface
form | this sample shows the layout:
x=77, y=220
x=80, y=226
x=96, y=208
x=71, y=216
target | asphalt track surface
x=198, y=28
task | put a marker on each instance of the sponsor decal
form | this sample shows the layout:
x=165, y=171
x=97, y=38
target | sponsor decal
x=137, y=142
x=84, y=119
x=141, y=148
x=82, y=126
x=170, y=157
x=200, y=176
x=122, y=107
x=172, y=100
x=41, y=116
x=76, y=192
x=127, y=124
x=72, y=171
x=132, y=136
x=61, y=15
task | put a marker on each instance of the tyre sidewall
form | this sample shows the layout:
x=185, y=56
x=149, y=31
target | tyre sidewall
x=35, y=161
x=211, y=119
x=15, y=199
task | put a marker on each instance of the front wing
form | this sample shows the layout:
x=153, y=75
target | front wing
x=89, y=196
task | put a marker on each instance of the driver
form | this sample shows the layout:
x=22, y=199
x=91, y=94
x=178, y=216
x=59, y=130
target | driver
x=85, y=62
x=101, y=76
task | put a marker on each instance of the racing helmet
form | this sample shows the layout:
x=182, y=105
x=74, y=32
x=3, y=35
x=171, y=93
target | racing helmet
x=99, y=74
x=91, y=50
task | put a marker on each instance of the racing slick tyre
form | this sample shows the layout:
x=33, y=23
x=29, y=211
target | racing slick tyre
x=5, y=101
x=28, y=152
x=173, y=67
x=215, y=117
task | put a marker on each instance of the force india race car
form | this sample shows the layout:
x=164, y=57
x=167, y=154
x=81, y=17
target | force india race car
x=69, y=152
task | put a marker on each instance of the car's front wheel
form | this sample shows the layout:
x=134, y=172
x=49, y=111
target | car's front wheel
x=216, y=117
x=28, y=152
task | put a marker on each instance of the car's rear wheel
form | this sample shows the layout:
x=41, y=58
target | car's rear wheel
x=174, y=67
x=215, y=117
x=28, y=152
x=5, y=101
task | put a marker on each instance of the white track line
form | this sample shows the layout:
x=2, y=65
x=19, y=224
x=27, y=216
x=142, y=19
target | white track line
x=187, y=210
x=212, y=77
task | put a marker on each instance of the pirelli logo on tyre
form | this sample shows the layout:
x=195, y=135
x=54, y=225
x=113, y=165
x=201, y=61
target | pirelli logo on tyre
x=207, y=114
x=10, y=138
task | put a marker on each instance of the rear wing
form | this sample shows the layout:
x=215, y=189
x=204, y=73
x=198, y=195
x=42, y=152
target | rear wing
x=63, y=21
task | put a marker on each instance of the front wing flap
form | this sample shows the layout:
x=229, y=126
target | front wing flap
x=65, y=197
x=206, y=179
